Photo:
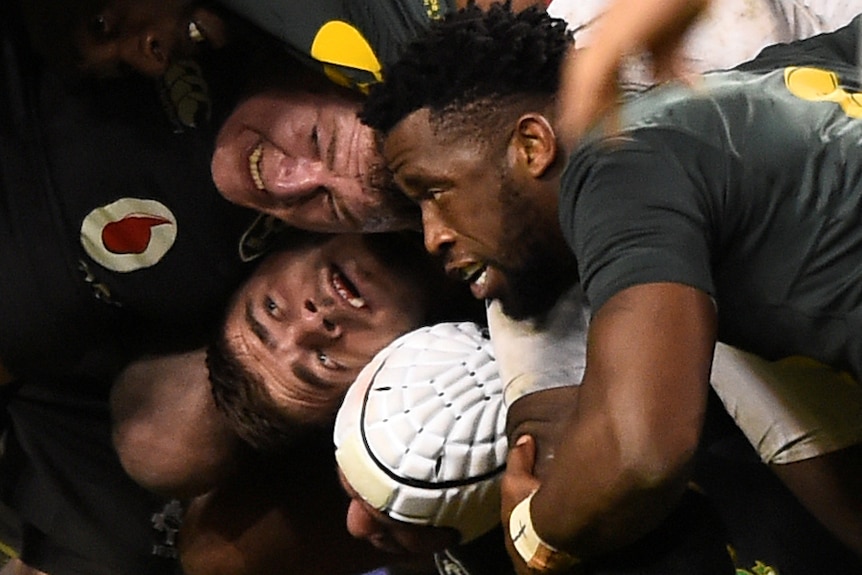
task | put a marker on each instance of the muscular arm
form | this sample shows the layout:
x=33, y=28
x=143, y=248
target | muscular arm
x=828, y=486
x=169, y=435
x=625, y=456
x=279, y=517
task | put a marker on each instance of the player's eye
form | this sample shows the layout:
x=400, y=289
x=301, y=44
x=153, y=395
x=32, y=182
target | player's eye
x=326, y=361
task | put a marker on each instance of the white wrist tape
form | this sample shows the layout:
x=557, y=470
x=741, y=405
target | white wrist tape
x=538, y=555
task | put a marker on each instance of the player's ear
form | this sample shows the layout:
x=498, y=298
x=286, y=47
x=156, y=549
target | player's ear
x=535, y=142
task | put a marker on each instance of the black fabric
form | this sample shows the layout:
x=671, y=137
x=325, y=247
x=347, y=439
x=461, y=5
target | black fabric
x=81, y=513
x=377, y=29
x=747, y=188
x=70, y=320
x=765, y=523
x=67, y=147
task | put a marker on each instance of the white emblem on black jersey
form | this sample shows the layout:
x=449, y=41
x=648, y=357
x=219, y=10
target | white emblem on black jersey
x=129, y=234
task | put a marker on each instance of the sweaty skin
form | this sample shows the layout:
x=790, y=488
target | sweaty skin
x=303, y=156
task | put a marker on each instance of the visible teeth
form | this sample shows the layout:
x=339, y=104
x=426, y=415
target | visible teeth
x=341, y=286
x=195, y=34
x=254, y=167
x=483, y=277
x=468, y=272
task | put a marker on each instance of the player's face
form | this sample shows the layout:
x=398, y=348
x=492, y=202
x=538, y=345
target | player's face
x=105, y=38
x=305, y=158
x=387, y=534
x=311, y=317
x=480, y=214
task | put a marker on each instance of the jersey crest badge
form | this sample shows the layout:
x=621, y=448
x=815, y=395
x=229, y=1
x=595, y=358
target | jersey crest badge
x=129, y=234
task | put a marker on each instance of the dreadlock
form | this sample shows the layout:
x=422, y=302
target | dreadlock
x=470, y=56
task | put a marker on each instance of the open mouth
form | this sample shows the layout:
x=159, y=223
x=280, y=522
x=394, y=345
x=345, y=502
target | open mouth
x=254, y=161
x=346, y=290
x=205, y=29
x=195, y=33
x=476, y=274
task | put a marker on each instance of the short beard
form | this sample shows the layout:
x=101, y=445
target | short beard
x=536, y=287
x=546, y=266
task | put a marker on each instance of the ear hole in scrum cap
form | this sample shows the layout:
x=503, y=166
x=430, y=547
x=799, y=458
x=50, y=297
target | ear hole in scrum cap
x=421, y=432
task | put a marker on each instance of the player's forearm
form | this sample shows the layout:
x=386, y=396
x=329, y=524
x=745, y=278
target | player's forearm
x=543, y=416
x=625, y=455
x=607, y=488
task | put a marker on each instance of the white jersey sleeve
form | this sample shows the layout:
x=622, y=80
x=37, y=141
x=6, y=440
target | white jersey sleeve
x=729, y=33
x=541, y=353
x=789, y=410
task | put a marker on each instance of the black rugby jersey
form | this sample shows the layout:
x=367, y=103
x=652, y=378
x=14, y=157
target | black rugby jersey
x=113, y=238
x=349, y=41
x=748, y=187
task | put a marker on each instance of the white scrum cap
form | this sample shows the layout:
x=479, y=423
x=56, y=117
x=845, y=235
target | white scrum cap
x=421, y=433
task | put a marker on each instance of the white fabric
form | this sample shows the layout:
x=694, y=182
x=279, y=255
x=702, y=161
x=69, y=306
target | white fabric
x=541, y=353
x=788, y=410
x=731, y=32
x=421, y=433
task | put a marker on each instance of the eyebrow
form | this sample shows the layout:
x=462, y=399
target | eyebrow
x=302, y=372
x=420, y=174
x=258, y=329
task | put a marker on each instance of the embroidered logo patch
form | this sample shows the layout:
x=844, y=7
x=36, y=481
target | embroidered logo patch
x=129, y=234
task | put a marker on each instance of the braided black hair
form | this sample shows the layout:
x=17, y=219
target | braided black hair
x=471, y=56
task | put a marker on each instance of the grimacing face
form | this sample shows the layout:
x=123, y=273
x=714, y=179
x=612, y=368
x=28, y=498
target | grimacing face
x=312, y=316
x=391, y=535
x=480, y=215
x=303, y=156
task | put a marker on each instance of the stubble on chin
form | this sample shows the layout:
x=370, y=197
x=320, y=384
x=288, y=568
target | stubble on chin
x=543, y=266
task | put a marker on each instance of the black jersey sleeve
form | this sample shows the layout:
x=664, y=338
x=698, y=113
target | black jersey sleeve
x=633, y=211
x=349, y=41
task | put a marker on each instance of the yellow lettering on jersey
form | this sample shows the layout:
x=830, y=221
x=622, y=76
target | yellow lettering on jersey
x=816, y=85
x=339, y=44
